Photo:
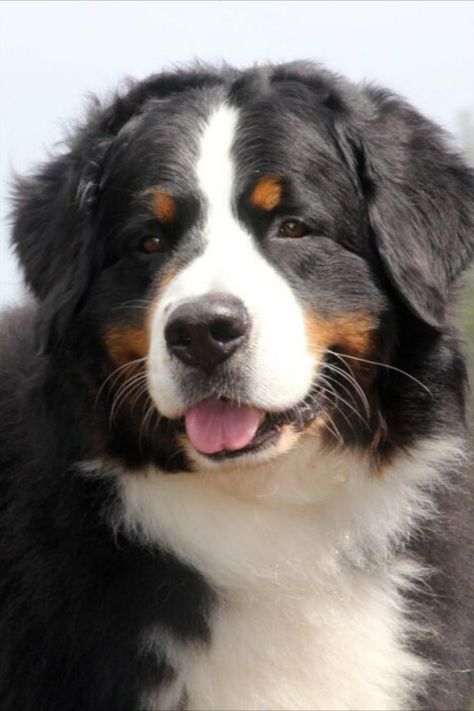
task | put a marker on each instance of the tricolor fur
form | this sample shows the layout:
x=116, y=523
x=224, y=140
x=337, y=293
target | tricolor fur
x=233, y=418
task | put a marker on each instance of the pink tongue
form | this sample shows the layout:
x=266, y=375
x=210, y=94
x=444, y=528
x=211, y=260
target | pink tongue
x=214, y=425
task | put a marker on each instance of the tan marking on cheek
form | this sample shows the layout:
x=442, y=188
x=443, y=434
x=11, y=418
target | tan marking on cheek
x=127, y=344
x=163, y=206
x=351, y=334
x=267, y=193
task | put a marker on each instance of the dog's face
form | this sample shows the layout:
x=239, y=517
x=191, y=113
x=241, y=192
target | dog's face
x=246, y=258
x=241, y=260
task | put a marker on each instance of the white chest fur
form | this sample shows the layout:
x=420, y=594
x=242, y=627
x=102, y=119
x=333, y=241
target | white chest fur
x=311, y=612
x=287, y=650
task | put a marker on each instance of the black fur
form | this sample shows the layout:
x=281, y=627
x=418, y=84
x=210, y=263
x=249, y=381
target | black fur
x=391, y=204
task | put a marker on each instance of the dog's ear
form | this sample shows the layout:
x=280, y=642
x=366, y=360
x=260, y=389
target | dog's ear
x=54, y=226
x=53, y=236
x=420, y=202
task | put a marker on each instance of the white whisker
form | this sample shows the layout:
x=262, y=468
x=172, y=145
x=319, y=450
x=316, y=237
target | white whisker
x=115, y=374
x=325, y=379
x=350, y=379
x=384, y=365
x=125, y=390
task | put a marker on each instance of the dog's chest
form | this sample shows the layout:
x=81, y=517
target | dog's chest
x=277, y=649
x=304, y=616
x=297, y=652
x=294, y=634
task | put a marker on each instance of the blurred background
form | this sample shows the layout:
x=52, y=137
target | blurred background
x=54, y=54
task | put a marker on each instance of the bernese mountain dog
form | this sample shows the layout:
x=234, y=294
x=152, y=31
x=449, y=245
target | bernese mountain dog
x=233, y=449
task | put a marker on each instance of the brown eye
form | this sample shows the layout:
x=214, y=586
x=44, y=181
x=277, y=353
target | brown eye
x=151, y=245
x=293, y=229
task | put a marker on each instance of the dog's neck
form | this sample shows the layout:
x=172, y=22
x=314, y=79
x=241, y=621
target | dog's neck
x=327, y=503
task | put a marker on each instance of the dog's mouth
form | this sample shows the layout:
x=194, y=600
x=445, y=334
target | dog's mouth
x=220, y=428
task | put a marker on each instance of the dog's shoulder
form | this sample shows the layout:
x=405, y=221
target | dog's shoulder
x=19, y=366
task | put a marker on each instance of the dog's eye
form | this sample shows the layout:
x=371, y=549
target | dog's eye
x=151, y=245
x=293, y=229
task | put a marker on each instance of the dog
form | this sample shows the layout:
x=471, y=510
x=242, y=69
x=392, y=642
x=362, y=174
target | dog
x=233, y=443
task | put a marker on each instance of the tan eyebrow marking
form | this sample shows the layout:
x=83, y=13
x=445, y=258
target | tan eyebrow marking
x=163, y=205
x=267, y=193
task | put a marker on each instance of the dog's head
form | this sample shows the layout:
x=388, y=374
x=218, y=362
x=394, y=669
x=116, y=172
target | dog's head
x=231, y=254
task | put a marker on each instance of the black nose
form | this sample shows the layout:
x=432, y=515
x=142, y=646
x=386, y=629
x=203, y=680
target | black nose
x=206, y=331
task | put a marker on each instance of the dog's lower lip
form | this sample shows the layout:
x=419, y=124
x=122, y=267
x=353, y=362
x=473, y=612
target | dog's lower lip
x=270, y=429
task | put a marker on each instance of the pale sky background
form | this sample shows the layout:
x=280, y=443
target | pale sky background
x=52, y=54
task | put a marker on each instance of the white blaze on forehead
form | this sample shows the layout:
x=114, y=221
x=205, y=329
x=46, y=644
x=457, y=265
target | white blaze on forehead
x=279, y=368
x=215, y=168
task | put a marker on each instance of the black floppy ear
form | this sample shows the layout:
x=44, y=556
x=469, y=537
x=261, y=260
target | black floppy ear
x=420, y=199
x=53, y=231
x=52, y=234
